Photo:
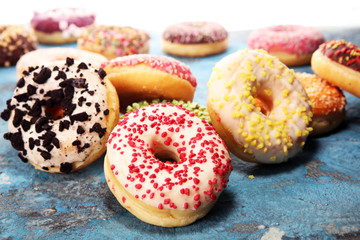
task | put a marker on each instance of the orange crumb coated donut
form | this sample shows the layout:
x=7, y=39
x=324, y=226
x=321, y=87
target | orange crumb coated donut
x=328, y=102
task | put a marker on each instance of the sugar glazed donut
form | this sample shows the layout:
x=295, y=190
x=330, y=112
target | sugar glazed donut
x=194, y=39
x=146, y=77
x=61, y=25
x=292, y=44
x=328, y=103
x=60, y=116
x=47, y=55
x=166, y=166
x=258, y=107
x=339, y=63
x=15, y=41
x=114, y=41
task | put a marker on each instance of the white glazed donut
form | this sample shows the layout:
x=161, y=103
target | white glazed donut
x=46, y=55
x=258, y=107
x=60, y=116
x=162, y=192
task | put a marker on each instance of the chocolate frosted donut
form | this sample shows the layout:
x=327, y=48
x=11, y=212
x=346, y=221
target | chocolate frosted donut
x=61, y=25
x=15, y=41
x=193, y=39
x=60, y=115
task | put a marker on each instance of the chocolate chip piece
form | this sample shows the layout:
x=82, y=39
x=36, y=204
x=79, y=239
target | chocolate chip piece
x=62, y=75
x=22, y=97
x=69, y=61
x=24, y=159
x=65, y=167
x=56, y=68
x=20, y=83
x=31, y=143
x=6, y=114
x=80, y=130
x=82, y=65
x=25, y=73
x=43, y=76
x=18, y=117
x=47, y=137
x=56, y=142
x=106, y=112
x=25, y=124
x=102, y=73
x=64, y=125
x=45, y=155
x=76, y=143
x=97, y=107
x=79, y=117
x=41, y=124
x=81, y=100
x=81, y=149
x=56, y=95
x=98, y=129
x=91, y=93
x=36, y=109
x=31, y=90
x=69, y=110
x=45, y=168
x=15, y=140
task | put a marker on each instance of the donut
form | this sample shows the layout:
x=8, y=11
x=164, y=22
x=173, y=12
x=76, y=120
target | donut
x=145, y=77
x=328, y=103
x=292, y=44
x=15, y=41
x=194, y=39
x=60, y=115
x=61, y=25
x=46, y=55
x=114, y=41
x=166, y=166
x=199, y=110
x=258, y=107
x=338, y=62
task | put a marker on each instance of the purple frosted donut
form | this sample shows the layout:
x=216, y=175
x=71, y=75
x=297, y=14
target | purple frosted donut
x=61, y=25
x=190, y=38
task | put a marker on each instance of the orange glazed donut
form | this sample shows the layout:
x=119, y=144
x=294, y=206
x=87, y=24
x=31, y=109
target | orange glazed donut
x=47, y=55
x=147, y=77
x=292, y=44
x=272, y=133
x=165, y=165
x=194, y=39
x=60, y=116
x=114, y=41
x=328, y=103
x=339, y=63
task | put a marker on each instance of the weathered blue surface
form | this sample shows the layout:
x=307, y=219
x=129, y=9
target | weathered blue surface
x=315, y=195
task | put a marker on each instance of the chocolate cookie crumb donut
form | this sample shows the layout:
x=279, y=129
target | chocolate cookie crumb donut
x=60, y=115
x=15, y=41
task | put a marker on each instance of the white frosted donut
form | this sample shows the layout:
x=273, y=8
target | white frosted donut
x=43, y=56
x=60, y=116
x=154, y=189
x=258, y=107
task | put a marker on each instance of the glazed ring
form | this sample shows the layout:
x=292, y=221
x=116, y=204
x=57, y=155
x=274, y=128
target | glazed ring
x=15, y=41
x=292, y=44
x=166, y=166
x=339, y=63
x=194, y=39
x=328, y=103
x=43, y=56
x=258, y=107
x=114, y=41
x=146, y=77
x=60, y=116
x=61, y=25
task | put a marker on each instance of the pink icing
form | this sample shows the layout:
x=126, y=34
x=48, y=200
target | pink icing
x=288, y=38
x=162, y=63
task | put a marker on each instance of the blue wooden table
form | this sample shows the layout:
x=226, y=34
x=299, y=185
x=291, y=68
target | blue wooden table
x=316, y=195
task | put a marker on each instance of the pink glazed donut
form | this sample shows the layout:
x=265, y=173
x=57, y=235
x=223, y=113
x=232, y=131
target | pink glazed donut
x=61, y=25
x=194, y=39
x=292, y=44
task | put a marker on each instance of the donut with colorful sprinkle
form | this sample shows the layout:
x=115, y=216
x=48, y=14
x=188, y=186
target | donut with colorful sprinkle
x=60, y=115
x=258, y=107
x=46, y=55
x=328, y=103
x=114, y=41
x=146, y=77
x=15, y=41
x=166, y=166
x=194, y=39
x=292, y=44
x=338, y=62
x=61, y=25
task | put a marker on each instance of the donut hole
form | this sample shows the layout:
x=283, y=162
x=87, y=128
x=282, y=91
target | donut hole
x=265, y=104
x=56, y=111
x=164, y=154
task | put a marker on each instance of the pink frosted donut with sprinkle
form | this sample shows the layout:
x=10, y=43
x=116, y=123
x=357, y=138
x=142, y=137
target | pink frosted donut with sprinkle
x=146, y=77
x=292, y=44
x=166, y=166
